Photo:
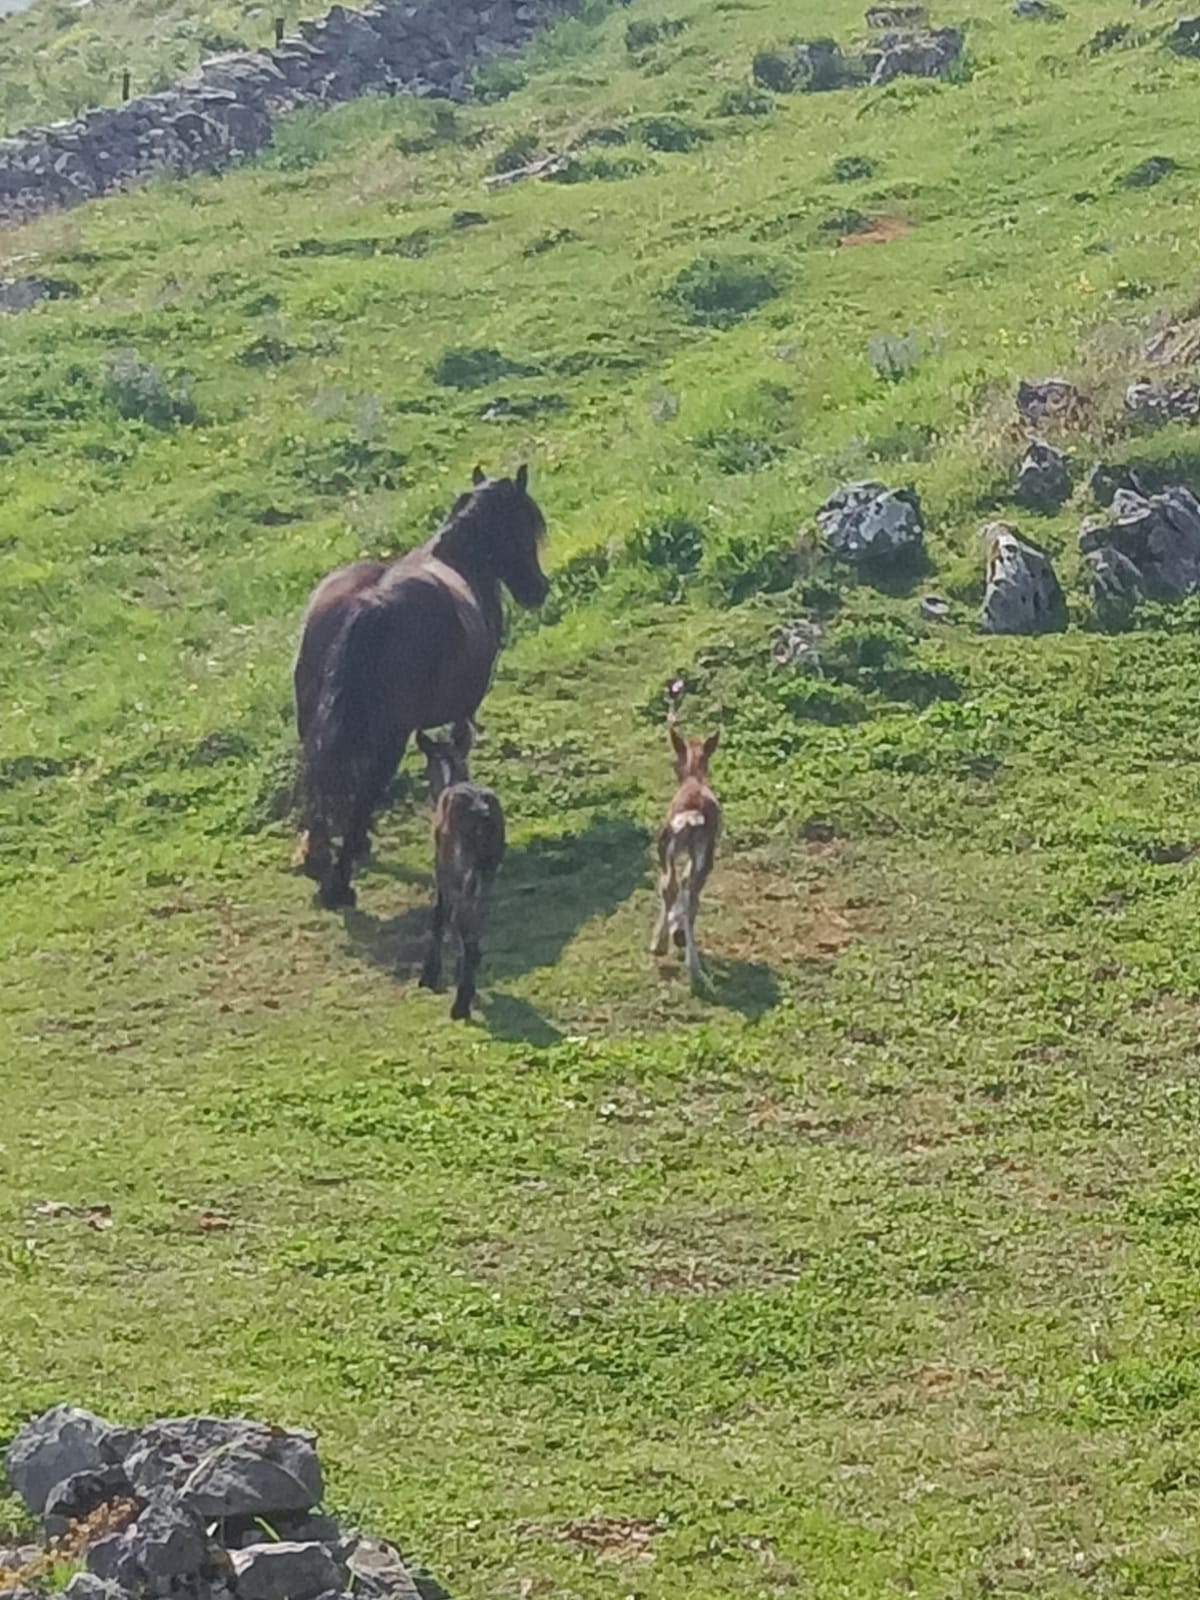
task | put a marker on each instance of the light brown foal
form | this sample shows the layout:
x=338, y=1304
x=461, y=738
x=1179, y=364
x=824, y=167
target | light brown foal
x=687, y=847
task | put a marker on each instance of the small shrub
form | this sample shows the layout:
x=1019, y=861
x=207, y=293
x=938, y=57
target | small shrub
x=672, y=134
x=1108, y=38
x=673, y=541
x=1149, y=172
x=642, y=34
x=849, y=169
x=840, y=223
x=605, y=136
x=518, y=153
x=605, y=169
x=893, y=355
x=496, y=80
x=468, y=219
x=738, y=452
x=740, y=564
x=474, y=367
x=717, y=291
x=141, y=392
x=774, y=70
x=745, y=102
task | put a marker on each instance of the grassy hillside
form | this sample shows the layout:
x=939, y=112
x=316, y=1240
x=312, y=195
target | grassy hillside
x=874, y=1276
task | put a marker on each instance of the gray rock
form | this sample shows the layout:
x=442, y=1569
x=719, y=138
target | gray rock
x=897, y=17
x=1104, y=481
x=160, y=1552
x=1023, y=594
x=285, y=1571
x=1038, y=11
x=868, y=523
x=60, y=1443
x=1157, y=535
x=1043, y=478
x=378, y=1571
x=81, y=1494
x=1050, y=398
x=86, y=1586
x=798, y=644
x=20, y=1556
x=928, y=54
x=1115, y=583
x=934, y=608
x=1157, y=403
x=227, y=1468
x=1184, y=37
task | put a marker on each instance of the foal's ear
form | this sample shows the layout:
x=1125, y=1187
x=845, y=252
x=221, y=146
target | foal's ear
x=522, y=477
x=710, y=744
x=424, y=746
x=462, y=736
x=678, y=744
x=478, y=476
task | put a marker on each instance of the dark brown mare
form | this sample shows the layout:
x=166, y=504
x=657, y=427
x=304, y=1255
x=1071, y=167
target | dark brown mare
x=390, y=647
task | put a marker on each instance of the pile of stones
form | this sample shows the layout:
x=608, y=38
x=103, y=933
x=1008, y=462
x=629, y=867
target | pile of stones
x=190, y=1508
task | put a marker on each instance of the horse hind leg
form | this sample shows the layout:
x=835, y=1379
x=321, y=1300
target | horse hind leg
x=336, y=889
x=668, y=890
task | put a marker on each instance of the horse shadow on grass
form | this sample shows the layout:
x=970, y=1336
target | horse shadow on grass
x=545, y=892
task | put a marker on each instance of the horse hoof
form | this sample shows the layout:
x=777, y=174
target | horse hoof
x=338, y=897
x=680, y=938
x=430, y=978
x=460, y=1011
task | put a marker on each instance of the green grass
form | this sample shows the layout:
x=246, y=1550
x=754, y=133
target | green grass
x=877, y=1274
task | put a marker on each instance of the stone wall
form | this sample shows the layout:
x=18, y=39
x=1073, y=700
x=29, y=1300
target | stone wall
x=226, y=108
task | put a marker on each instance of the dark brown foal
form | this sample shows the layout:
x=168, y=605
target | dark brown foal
x=468, y=847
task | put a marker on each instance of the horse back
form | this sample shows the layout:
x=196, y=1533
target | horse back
x=438, y=642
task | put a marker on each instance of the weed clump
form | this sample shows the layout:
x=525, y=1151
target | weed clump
x=849, y=169
x=643, y=34
x=673, y=541
x=718, y=291
x=745, y=102
x=141, y=392
x=475, y=366
x=518, y=153
x=1149, y=172
x=894, y=355
x=672, y=134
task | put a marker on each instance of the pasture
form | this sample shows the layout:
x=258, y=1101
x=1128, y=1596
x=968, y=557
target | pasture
x=873, y=1274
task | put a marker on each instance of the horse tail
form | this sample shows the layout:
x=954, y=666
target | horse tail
x=339, y=753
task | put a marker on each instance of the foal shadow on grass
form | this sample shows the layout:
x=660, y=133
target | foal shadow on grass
x=544, y=893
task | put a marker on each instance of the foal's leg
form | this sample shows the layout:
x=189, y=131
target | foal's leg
x=689, y=902
x=431, y=972
x=668, y=889
x=468, y=921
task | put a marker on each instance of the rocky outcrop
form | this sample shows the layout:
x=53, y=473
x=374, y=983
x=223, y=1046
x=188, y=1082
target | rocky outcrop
x=869, y=524
x=1023, y=593
x=1043, y=478
x=1050, y=400
x=1156, y=403
x=179, y=1510
x=226, y=108
x=1149, y=545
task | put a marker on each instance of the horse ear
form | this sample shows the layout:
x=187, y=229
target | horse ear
x=677, y=744
x=710, y=744
x=478, y=476
x=522, y=477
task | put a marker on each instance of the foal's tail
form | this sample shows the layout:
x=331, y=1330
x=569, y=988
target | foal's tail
x=339, y=753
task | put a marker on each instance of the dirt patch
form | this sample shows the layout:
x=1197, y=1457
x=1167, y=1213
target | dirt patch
x=760, y=916
x=882, y=230
x=607, y=1538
